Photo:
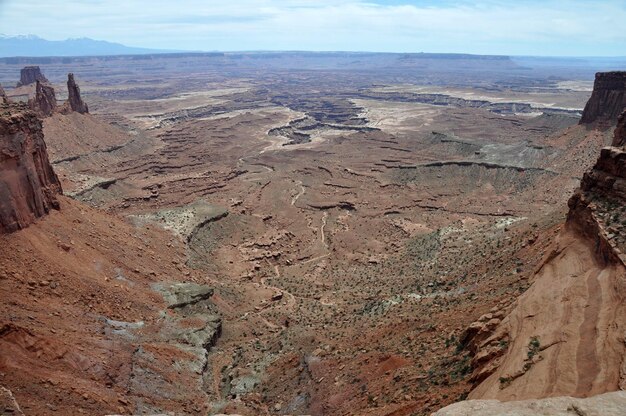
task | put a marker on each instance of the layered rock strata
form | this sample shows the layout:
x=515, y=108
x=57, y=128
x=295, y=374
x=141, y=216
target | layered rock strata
x=608, y=98
x=28, y=184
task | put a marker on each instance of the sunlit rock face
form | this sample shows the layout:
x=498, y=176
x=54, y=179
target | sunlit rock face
x=28, y=184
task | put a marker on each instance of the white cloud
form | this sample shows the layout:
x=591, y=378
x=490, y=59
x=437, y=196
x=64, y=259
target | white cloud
x=549, y=27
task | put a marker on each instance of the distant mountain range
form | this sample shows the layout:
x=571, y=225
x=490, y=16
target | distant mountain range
x=31, y=45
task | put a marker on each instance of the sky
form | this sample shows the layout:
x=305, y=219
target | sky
x=533, y=27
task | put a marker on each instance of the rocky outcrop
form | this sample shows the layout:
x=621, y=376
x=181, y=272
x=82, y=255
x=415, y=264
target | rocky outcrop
x=596, y=210
x=45, y=102
x=608, y=99
x=484, y=355
x=187, y=331
x=75, y=101
x=8, y=404
x=28, y=184
x=620, y=131
x=609, y=404
x=30, y=75
x=3, y=96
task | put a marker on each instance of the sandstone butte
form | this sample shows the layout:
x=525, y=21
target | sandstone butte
x=30, y=75
x=608, y=98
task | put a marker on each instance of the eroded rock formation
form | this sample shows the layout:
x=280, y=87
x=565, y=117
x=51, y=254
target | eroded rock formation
x=45, y=102
x=30, y=75
x=28, y=184
x=75, y=101
x=620, y=131
x=3, y=96
x=608, y=98
x=596, y=210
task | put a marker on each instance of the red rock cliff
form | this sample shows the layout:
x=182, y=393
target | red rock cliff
x=597, y=209
x=28, y=184
x=565, y=334
x=608, y=99
x=45, y=102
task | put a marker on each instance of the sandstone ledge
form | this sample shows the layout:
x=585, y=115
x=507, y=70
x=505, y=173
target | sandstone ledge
x=608, y=404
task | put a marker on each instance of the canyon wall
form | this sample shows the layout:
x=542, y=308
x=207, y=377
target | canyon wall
x=565, y=335
x=608, y=98
x=28, y=184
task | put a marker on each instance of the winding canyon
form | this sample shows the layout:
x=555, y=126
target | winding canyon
x=323, y=234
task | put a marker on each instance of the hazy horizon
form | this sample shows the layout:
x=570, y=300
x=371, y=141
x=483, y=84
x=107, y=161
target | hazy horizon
x=553, y=28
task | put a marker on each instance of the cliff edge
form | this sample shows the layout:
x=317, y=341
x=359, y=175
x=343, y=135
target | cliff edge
x=597, y=209
x=608, y=98
x=565, y=335
x=28, y=184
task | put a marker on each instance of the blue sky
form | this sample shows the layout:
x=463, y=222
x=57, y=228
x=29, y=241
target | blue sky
x=548, y=27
